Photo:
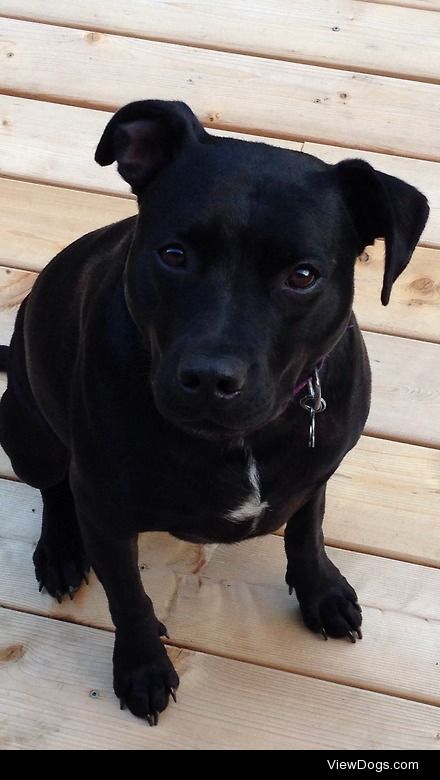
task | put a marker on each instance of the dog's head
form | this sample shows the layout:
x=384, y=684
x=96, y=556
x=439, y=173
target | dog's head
x=240, y=275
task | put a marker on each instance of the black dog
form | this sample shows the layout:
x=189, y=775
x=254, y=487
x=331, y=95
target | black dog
x=164, y=372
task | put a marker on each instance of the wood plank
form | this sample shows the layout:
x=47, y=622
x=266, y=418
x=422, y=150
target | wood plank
x=354, y=35
x=414, y=309
x=232, y=601
x=14, y=286
x=56, y=143
x=222, y=704
x=406, y=373
x=385, y=499
x=421, y=174
x=231, y=91
x=38, y=221
x=406, y=389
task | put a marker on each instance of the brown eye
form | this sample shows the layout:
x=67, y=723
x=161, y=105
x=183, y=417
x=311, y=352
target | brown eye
x=301, y=277
x=173, y=256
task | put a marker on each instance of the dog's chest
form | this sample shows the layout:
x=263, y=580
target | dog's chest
x=223, y=502
x=250, y=508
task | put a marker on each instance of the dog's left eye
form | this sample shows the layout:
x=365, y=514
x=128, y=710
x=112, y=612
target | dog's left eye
x=173, y=256
x=301, y=277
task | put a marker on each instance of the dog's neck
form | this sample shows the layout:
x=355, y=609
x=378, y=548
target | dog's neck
x=305, y=379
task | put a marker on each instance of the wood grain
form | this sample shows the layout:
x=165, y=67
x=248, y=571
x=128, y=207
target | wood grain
x=414, y=308
x=406, y=389
x=222, y=704
x=353, y=35
x=37, y=221
x=231, y=91
x=385, y=499
x=55, y=143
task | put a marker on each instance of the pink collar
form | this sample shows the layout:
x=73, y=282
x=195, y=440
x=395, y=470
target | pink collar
x=304, y=382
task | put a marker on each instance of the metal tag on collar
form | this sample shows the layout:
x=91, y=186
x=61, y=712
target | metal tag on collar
x=314, y=403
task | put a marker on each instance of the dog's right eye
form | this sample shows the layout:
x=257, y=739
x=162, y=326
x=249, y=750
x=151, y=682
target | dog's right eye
x=173, y=256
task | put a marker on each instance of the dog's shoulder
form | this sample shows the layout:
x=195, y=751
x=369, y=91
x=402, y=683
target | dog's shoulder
x=79, y=272
x=104, y=246
x=78, y=282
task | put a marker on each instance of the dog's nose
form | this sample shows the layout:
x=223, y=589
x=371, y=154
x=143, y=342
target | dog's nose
x=219, y=378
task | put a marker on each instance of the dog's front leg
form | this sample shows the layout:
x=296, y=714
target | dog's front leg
x=143, y=676
x=328, y=603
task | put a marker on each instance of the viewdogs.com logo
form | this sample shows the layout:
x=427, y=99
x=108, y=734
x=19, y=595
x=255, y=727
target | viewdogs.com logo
x=377, y=766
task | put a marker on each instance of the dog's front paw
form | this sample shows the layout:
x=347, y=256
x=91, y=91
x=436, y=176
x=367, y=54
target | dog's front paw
x=144, y=686
x=331, y=608
x=60, y=570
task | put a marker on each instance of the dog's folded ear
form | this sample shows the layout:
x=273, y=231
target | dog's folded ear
x=382, y=206
x=144, y=137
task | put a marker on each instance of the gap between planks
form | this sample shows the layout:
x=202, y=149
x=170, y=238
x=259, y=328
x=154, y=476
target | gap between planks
x=232, y=127
x=422, y=5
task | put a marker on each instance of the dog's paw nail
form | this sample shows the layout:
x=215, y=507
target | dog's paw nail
x=59, y=596
x=173, y=694
x=85, y=577
x=40, y=586
x=153, y=718
x=290, y=590
x=324, y=634
x=358, y=606
x=163, y=631
x=149, y=720
x=351, y=637
x=122, y=704
x=359, y=633
x=71, y=590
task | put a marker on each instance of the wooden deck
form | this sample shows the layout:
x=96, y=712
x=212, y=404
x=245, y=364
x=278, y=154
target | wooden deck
x=329, y=77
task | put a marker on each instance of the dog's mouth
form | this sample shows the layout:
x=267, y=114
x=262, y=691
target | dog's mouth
x=212, y=431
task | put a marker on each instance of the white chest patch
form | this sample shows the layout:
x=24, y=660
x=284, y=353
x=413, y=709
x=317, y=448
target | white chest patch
x=253, y=507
